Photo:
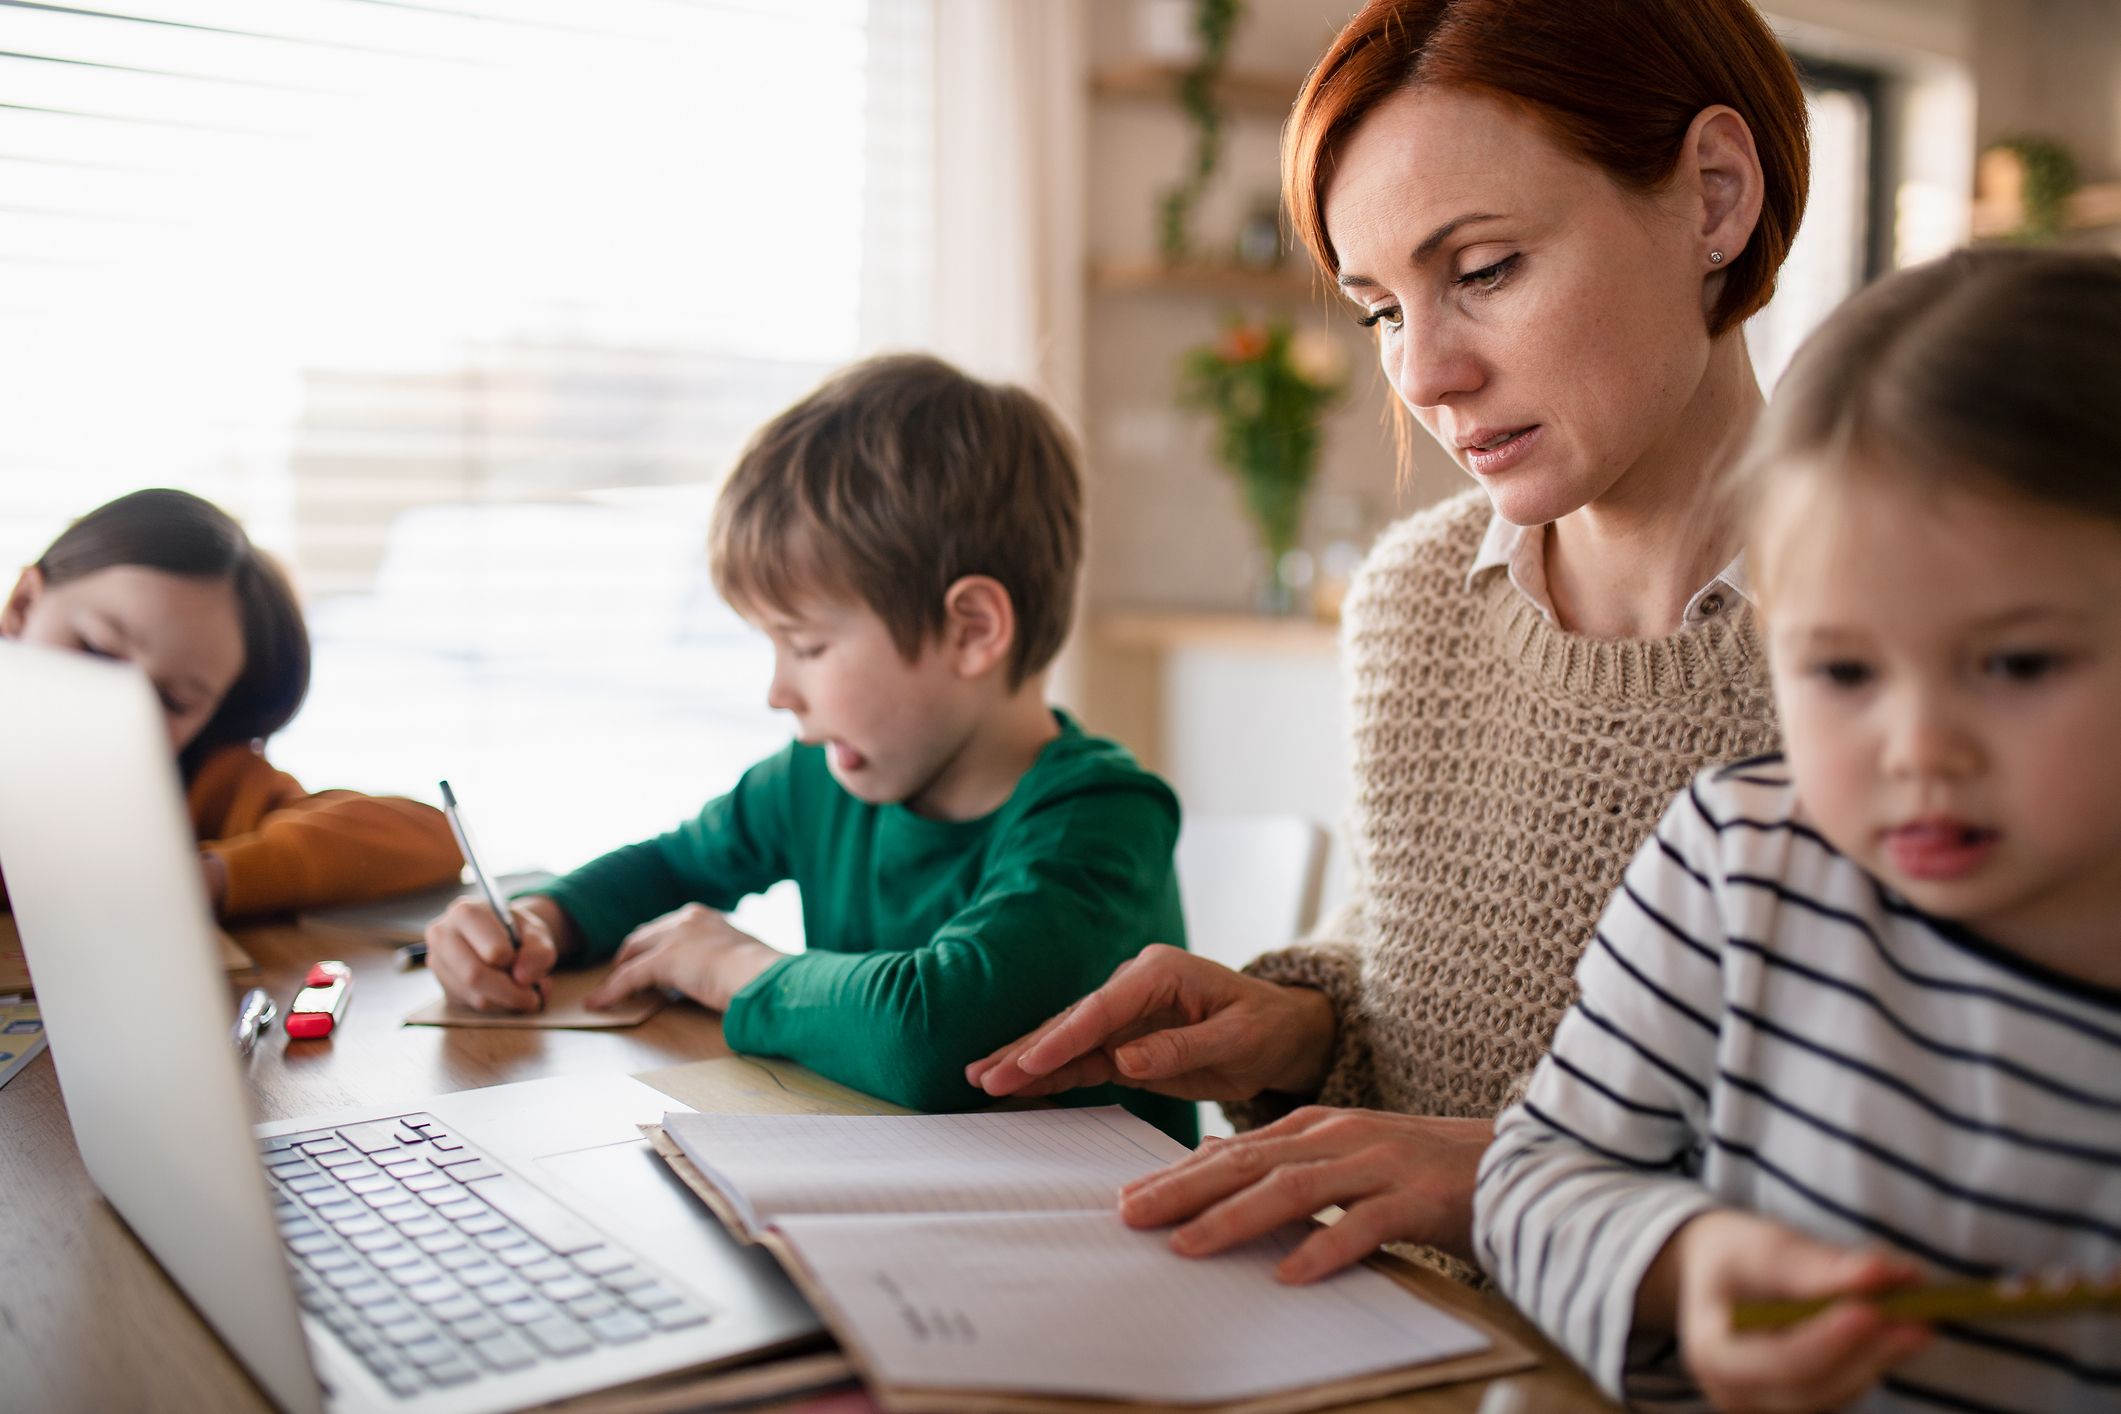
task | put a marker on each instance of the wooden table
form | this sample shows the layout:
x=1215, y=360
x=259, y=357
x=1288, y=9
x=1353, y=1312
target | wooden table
x=89, y=1323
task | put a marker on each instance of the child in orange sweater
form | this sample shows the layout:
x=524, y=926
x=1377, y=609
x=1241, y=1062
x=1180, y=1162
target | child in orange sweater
x=171, y=584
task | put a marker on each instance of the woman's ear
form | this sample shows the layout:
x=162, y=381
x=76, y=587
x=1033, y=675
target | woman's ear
x=1719, y=159
x=979, y=625
x=16, y=613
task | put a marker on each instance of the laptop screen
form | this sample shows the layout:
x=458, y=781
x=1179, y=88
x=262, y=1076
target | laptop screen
x=104, y=880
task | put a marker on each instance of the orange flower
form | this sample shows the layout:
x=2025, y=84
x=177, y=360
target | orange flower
x=1242, y=342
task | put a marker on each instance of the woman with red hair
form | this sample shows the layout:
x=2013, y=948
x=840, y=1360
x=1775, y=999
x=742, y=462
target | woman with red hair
x=1556, y=218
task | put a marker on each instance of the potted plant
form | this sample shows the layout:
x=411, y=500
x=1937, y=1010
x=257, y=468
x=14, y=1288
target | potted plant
x=2032, y=179
x=1269, y=390
x=1214, y=21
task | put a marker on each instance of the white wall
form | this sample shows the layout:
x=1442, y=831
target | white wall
x=1247, y=732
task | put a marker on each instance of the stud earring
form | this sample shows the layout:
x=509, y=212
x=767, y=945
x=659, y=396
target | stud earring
x=1715, y=257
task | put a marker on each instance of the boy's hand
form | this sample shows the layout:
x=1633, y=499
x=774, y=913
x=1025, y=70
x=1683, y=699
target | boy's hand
x=1722, y=1258
x=695, y=950
x=469, y=953
x=214, y=869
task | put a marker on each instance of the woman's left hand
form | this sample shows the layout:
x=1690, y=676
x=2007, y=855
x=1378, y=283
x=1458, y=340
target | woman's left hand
x=695, y=949
x=1397, y=1178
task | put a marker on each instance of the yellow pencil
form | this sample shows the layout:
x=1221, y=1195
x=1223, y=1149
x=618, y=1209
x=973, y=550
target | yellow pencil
x=1950, y=1301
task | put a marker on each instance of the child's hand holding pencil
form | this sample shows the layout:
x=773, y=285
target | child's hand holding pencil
x=1836, y=1339
x=1771, y=1319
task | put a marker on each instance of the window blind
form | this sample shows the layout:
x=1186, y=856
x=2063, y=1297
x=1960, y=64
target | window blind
x=327, y=260
x=464, y=308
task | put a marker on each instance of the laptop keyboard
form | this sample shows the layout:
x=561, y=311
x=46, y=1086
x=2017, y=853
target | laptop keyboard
x=436, y=1266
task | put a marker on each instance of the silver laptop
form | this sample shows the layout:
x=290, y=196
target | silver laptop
x=478, y=1251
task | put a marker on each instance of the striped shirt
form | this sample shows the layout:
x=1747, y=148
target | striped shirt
x=1761, y=1025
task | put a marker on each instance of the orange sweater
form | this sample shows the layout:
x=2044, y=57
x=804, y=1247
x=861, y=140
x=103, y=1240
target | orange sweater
x=287, y=849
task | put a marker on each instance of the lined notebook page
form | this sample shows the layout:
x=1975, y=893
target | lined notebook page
x=1035, y=1160
x=1078, y=1304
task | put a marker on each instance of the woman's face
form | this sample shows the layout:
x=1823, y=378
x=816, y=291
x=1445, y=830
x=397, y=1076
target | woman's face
x=1547, y=327
x=185, y=634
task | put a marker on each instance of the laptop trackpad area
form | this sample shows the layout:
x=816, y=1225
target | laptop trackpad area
x=627, y=1190
x=578, y=1138
x=631, y=1193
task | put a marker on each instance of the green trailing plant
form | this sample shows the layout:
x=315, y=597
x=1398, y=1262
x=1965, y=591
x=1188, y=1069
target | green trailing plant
x=2050, y=180
x=1269, y=392
x=1214, y=21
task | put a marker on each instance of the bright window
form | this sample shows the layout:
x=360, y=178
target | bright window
x=464, y=308
x=1832, y=256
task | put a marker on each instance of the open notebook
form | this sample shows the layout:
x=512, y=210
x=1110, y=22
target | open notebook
x=976, y=1261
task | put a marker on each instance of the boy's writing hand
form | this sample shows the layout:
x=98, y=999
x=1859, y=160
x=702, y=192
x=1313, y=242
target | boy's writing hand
x=1177, y=1024
x=1722, y=1258
x=469, y=953
x=696, y=950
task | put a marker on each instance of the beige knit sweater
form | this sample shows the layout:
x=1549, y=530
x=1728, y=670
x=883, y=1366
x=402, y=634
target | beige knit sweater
x=1505, y=773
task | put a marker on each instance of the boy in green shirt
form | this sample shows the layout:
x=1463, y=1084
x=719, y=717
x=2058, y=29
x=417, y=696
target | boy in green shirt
x=970, y=861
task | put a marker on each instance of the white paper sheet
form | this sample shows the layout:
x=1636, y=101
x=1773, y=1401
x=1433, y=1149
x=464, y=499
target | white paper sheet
x=1079, y=1304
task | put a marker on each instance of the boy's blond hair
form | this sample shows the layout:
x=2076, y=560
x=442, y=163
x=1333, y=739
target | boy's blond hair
x=894, y=479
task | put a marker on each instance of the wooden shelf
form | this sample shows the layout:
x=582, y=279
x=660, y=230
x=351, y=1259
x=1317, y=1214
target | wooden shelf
x=1161, y=630
x=2091, y=208
x=1203, y=278
x=1257, y=94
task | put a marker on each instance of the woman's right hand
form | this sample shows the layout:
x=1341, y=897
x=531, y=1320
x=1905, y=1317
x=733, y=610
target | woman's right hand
x=469, y=953
x=1176, y=1024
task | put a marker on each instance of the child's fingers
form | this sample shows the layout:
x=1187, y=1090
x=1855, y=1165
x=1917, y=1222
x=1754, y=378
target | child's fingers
x=610, y=990
x=1772, y=1262
x=1818, y=1363
x=1896, y=1343
x=626, y=978
x=455, y=957
x=497, y=991
x=1822, y=1363
x=638, y=941
x=539, y=953
x=1870, y=1271
x=468, y=981
x=473, y=927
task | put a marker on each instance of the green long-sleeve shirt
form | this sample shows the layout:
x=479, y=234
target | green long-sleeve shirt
x=930, y=942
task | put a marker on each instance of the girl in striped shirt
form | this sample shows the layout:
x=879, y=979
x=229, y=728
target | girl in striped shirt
x=1853, y=1020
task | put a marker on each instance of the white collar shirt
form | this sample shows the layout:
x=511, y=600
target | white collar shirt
x=1521, y=552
